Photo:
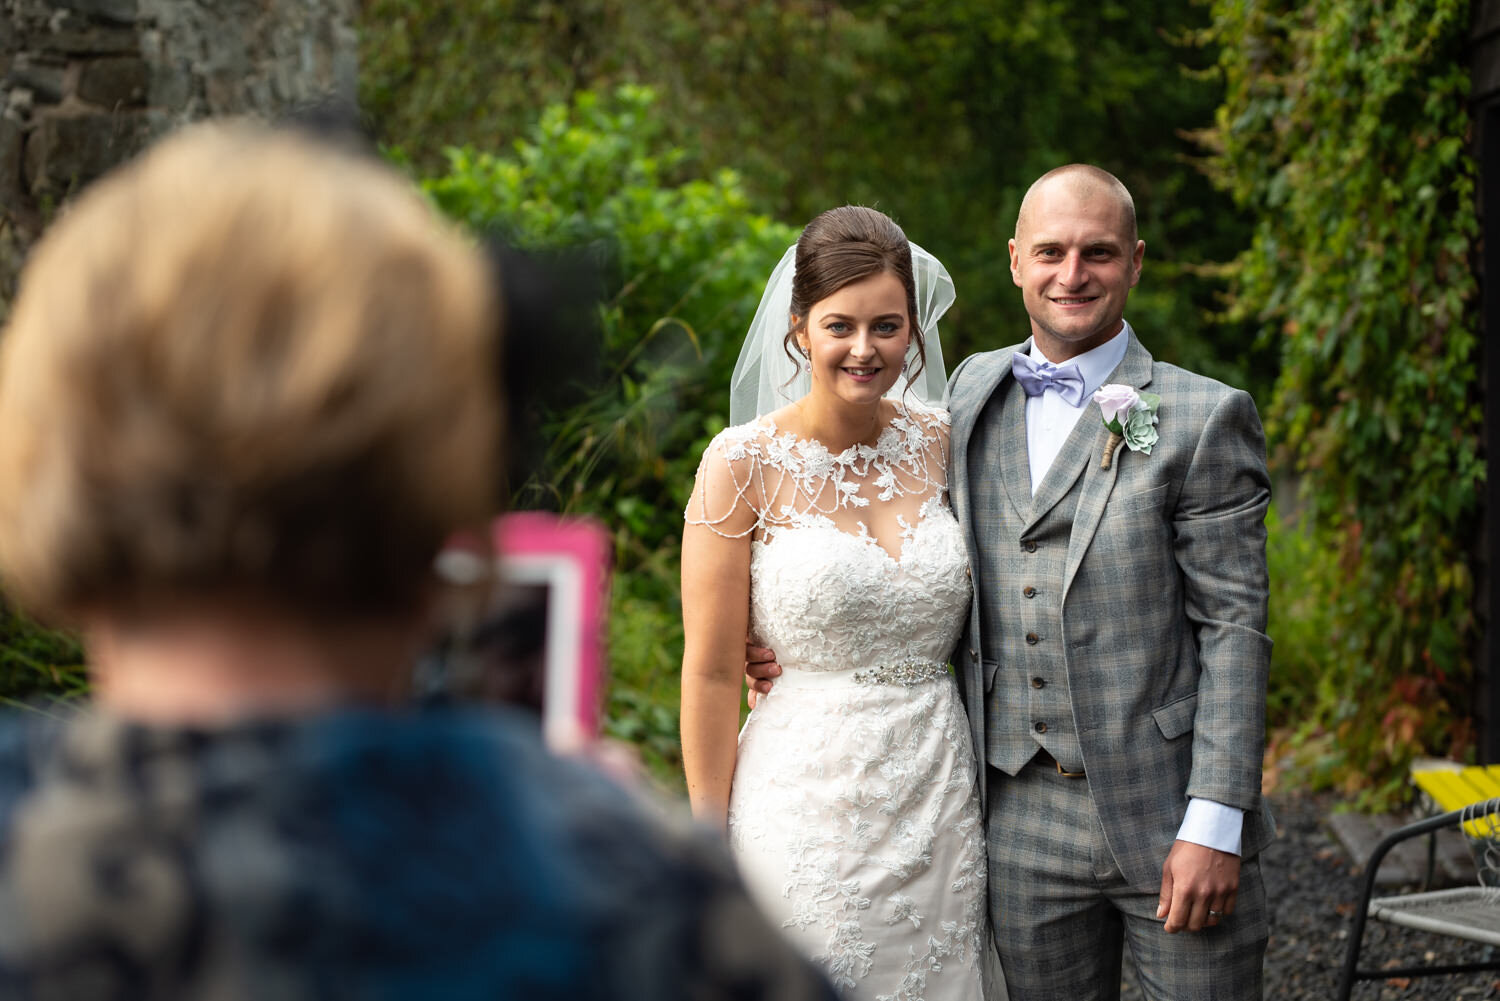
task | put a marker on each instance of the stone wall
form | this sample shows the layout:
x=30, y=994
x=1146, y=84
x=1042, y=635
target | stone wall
x=84, y=84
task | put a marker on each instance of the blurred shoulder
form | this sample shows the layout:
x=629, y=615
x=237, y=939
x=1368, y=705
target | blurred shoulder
x=547, y=849
x=27, y=738
x=363, y=838
x=668, y=914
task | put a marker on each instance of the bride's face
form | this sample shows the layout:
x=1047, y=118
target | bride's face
x=856, y=339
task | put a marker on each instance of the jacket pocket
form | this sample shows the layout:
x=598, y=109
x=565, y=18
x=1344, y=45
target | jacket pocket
x=1141, y=500
x=1176, y=718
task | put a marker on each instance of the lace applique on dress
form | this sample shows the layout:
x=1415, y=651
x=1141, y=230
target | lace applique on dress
x=787, y=480
x=853, y=812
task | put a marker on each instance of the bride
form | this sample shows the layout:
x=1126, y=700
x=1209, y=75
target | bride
x=819, y=527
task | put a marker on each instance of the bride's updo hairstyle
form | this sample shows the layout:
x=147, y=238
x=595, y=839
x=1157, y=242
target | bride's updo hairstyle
x=842, y=246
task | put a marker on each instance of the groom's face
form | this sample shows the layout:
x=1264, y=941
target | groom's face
x=1075, y=259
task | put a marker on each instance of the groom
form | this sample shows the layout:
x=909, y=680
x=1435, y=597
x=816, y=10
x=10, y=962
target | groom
x=1114, y=663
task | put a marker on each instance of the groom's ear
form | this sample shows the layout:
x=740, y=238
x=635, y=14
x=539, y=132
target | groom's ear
x=1015, y=272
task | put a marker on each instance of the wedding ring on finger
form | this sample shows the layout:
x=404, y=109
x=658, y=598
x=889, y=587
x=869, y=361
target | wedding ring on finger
x=1216, y=914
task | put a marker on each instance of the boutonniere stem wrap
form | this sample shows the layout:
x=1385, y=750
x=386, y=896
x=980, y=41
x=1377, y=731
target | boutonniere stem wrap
x=1130, y=417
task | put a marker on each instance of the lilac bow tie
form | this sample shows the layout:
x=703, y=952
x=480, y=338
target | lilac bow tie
x=1035, y=376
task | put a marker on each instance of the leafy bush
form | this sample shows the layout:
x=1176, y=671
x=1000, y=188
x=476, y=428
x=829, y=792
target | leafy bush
x=37, y=665
x=687, y=260
x=1343, y=131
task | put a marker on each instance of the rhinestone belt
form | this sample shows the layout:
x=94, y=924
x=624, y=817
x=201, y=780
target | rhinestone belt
x=906, y=673
x=903, y=672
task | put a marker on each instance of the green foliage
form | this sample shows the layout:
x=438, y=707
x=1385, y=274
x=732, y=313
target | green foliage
x=1343, y=131
x=688, y=261
x=437, y=75
x=943, y=114
x=645, y=646
x=939, y=114
x=37, y=665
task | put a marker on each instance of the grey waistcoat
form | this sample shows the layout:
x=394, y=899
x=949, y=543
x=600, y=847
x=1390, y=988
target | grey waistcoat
x=1020, y=571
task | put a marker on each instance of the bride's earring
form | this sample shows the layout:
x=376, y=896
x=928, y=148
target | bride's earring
x=807, y=366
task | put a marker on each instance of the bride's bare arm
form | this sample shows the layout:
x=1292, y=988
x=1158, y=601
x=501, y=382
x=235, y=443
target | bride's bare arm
x=715, y=618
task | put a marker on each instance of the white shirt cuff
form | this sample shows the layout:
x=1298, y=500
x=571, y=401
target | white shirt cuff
x=1212, y=825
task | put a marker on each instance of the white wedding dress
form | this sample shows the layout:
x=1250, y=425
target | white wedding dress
x=854, y=814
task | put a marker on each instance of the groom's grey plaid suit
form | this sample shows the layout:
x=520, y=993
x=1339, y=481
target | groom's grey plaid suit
x=1119, y=615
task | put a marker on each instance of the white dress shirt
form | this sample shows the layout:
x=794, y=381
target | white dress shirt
x=1049, y=421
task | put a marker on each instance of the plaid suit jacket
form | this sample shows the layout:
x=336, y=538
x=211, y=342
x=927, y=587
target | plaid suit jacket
x=1164, y=602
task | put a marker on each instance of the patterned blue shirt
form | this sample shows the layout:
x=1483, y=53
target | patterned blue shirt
x=357, y=855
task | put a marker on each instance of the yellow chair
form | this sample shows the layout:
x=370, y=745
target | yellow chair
x=1452, y=786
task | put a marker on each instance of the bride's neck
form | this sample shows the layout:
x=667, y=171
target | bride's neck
x=837, y=425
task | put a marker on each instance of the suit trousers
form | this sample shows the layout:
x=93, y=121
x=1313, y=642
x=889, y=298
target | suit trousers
x=1062, y=910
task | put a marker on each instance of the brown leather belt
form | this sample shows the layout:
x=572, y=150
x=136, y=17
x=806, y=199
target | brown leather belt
x=1048, y=761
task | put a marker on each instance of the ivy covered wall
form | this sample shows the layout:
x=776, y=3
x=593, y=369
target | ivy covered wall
x=1345, y=131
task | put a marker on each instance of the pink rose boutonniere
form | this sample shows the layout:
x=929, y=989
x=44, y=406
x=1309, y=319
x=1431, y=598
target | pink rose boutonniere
x=1130, y=417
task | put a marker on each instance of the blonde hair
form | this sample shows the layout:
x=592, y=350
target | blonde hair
x=245, y=366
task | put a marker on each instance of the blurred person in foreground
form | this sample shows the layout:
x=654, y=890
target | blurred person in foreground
x=246, y=393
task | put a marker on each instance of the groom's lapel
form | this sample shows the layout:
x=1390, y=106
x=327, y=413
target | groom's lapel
x=1133, y=371
x=1014, y=460
x=967, y=406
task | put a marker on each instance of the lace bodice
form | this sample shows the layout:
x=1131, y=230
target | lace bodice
x=856, y=559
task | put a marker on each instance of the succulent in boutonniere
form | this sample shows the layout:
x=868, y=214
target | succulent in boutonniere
x=1130, y=417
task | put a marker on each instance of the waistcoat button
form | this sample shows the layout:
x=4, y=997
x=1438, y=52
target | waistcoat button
x=1029, y=546
x=1032, y=639
x=1040, y=727
x=1029, y=591
x=1038, y=682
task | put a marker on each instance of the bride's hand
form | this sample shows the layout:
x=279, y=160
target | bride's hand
x=760, y=668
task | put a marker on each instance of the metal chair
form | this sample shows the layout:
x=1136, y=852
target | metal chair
x=1470, y=912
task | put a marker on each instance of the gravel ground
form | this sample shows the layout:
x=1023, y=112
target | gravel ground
x=1313, y=887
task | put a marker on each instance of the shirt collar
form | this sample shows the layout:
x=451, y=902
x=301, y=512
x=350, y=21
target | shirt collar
x=1095, y=364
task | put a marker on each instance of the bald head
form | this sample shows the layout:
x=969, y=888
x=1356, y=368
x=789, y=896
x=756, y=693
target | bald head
x=1084, y=182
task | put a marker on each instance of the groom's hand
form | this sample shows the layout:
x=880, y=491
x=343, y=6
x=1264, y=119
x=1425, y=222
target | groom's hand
x=1198, y=887
x=760, y=668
